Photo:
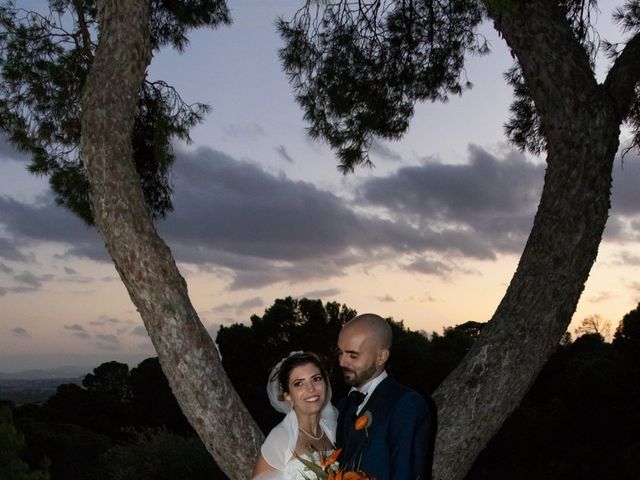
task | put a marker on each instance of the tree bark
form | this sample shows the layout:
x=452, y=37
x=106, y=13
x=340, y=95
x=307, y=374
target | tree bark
x=582, y=125
x=187, y=353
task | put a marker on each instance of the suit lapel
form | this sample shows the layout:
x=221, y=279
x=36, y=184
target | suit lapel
x=356, y=440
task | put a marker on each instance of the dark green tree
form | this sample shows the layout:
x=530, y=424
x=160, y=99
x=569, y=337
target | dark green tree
x=44, y=61
x=627, y=336
x=11, y=444
x=359, y=67
x=153, y=405
x=161, y=455
x=576, y=422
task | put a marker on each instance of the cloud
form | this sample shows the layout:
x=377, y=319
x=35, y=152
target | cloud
x=259, y=229
x=626, y=177
x=69, y=271
x=9, y=251
x=283, y=153
x=5, y=269
x=78, y=331
x=429, y=266
x=108, y=338
x=140, y=331
x=23, y=289
x=108, y=319
x=108, y=342
x=601, y=297
x=244, y=130
x=381, y=150
x=45, y=221
x=624, y=219
x=386, y=298
x=239, y=308
x=265, y=229
x=74, y=327
x=321, y=294
x=482, y=207
x=21, y=332
x=628, y=258
x=8, y=152
x=255, y=229
x=32, y=281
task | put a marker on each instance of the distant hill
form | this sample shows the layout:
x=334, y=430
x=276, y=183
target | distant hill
x=21, y=391
x=36, y=386
x=65, y=372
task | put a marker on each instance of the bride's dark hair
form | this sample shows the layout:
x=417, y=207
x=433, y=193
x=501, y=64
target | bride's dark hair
x=297, y=360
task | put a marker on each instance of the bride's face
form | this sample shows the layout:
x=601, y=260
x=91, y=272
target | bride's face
x=307, y=389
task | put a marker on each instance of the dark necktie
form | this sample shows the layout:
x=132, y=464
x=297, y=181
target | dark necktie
x=351, y=437
x=356, y=398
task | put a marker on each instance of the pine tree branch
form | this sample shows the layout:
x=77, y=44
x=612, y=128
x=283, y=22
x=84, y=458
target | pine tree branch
x=84, y=30
x=624, y=76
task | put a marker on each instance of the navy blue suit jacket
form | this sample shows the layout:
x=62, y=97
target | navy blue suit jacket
x=398, y=443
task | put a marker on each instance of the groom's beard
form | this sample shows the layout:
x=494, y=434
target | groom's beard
x=359, y=379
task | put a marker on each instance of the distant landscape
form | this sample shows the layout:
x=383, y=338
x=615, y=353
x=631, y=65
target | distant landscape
x=36, y=390
x=36, y=386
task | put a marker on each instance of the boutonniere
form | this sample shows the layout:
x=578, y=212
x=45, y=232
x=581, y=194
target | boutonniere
x=364, y=421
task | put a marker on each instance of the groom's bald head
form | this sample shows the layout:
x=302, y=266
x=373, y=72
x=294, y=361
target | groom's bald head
x=376, y=327
x=363, y=346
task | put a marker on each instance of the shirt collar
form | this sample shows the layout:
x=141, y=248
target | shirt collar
x=369, y=387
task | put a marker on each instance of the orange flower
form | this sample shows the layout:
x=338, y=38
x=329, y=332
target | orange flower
x=332, y=458
x=361, y=422
x=364, y=420
x=355, y=476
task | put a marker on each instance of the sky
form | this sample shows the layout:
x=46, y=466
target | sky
x=430, y=236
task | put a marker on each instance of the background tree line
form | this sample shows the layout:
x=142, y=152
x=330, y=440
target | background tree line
x=579, y=421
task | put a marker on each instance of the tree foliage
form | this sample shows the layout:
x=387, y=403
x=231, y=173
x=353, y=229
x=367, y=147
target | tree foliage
x=596, y=325
x=11, y=444
x=628, y=332
x=44, y=61
x=358, y=67
x=161, y=455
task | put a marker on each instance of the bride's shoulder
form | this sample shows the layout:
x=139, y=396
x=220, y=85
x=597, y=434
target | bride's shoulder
x=276, y=448
x=279, y=434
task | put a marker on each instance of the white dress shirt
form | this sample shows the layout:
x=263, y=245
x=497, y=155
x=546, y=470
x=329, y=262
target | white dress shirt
x=368, y=389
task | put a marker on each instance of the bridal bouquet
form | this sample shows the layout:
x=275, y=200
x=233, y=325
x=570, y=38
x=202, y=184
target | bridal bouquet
x=329, y=469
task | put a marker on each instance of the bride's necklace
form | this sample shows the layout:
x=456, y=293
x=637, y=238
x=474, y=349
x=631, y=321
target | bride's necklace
x=313, y=437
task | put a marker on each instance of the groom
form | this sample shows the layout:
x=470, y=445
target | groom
x=385, y=429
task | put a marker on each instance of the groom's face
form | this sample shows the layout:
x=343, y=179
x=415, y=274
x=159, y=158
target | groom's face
x=357, y=354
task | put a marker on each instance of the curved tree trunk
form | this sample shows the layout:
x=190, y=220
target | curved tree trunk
x=187, y=353
x=581, y=120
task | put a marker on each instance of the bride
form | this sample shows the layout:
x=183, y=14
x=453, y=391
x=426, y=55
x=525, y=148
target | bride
x=298, y=386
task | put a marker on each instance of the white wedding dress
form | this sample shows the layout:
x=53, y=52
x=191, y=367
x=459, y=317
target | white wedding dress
x=280, y=444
